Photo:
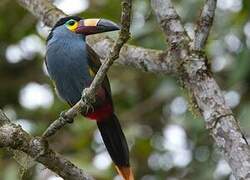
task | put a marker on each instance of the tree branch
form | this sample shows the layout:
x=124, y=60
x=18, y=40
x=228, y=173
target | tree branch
x=148, y=60
x=173, y=29
x=13, y=136
x=218, y=117
x=44, y=10
x=198, y=80
x=170, y=21
x=204, y=24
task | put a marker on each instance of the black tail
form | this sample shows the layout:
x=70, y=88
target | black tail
x=114, y=140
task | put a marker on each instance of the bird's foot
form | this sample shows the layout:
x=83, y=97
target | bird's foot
x=64, y=116
x=88, y=98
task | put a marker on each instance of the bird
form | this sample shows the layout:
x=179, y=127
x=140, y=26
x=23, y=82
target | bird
x=72, y=65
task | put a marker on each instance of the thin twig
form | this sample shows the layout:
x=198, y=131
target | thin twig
x=204, y=24
x=89, y=93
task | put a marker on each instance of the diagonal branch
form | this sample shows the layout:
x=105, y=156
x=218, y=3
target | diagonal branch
x=88, y=94
x=204, y=24
x=13, y=136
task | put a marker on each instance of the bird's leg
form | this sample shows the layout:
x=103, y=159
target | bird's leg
x=64, y=116
x=89, y=99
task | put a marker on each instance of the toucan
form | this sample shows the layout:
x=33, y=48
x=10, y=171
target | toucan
x=72, y=65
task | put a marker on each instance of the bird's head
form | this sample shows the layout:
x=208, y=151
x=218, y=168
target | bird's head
x=85, y=27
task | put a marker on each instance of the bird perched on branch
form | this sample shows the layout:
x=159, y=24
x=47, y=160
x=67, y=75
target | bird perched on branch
x=72, y=65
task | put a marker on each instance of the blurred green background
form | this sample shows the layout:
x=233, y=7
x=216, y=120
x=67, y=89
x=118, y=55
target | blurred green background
x=167, y=140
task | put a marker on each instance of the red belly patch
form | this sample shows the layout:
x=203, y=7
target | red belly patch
x=101, y=113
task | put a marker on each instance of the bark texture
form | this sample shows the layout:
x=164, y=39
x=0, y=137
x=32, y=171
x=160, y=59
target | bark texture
x=148, y=60
x=204, y=24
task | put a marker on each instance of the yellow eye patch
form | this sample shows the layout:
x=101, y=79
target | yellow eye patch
x=71, y=25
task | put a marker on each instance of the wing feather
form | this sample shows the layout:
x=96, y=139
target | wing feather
x=95, y=63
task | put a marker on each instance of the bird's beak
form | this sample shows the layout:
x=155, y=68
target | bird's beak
x=94, y=26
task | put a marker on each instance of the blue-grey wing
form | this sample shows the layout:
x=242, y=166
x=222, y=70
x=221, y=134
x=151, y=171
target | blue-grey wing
x=69, y=72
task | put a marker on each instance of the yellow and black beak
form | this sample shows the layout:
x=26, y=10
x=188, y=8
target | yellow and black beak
x=94, y=26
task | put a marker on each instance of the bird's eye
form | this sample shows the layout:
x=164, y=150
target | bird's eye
x=71, y=22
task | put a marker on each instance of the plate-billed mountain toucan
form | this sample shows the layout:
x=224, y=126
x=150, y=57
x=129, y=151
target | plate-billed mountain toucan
x=72, y=65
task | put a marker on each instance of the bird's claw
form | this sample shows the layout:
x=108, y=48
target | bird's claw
x=68, y=119
x=88, y=100
x=87, y=96
x=89, y=108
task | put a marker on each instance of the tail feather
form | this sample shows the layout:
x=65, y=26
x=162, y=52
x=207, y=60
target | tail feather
x=125, y=172
x=116, y=144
